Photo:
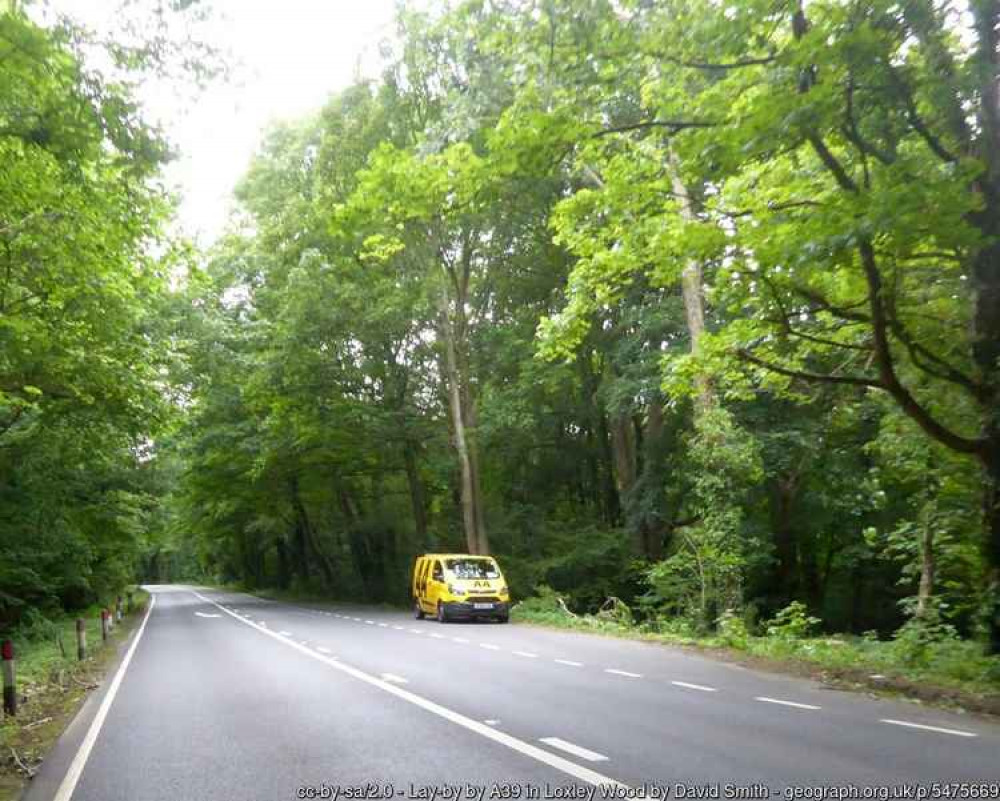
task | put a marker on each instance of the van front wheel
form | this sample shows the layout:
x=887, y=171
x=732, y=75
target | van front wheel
x=418, y=612
x=442, y=615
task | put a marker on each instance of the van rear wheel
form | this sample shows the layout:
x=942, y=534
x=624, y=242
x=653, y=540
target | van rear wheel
x=442, y=615
x=418, y=612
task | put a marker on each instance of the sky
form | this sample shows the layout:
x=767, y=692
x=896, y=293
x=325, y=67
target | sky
x=287, y=57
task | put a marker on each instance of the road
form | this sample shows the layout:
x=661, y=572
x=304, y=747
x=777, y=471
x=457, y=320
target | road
x=230, y=697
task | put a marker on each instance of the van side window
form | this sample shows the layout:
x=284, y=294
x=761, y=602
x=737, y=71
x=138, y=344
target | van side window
x=438, y=572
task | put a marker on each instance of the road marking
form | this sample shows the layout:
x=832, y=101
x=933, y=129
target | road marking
x=323, y=650
x=489, y=646
x=206, y=614
x=370, y=622
x=569, y=662
x=69, y=782
x=796, y=704
x=398, y=628
x=460, y=639
x=437, y=636
x=491, y=722
x=383, y=625
x=393, y=678
x=575, y=750
x=356, y=619
x=263, y=623
x=552, y=760
x=285, y=633
x=689, y=686
x=417, y=631
x=526, y=654
x=956, y=732
x=626, y=673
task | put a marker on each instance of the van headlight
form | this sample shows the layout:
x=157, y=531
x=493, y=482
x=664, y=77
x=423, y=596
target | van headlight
x=504, y=590
x=455, y=590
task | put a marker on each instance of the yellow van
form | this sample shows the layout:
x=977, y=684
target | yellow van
x=454, y=585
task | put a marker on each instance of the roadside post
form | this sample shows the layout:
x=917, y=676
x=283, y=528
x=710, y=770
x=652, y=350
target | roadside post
x=129, y=607
x=118, y=610
x=81, y=639
x=104, y=624
x=9, y=686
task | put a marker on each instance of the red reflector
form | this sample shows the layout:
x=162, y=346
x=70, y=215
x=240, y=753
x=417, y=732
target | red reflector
x=8, y=650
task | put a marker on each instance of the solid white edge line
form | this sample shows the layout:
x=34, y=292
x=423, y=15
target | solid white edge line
x=489, y=646
x=72, y=777
x=956, y=732
x=689, y=686
x=575, y=750
x=529, y=750
x=796, y=704
x=526, y=654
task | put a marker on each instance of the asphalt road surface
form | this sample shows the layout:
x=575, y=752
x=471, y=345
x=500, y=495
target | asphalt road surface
x=226, y=696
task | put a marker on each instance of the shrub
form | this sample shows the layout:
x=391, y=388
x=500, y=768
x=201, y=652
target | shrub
x=732, y=630
x=792, y=623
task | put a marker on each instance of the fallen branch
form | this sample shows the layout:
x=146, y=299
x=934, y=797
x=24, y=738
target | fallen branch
x=36, y=723
x=565, y=608
x=27, y=770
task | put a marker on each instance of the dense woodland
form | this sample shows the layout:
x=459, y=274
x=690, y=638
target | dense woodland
x=691, y=304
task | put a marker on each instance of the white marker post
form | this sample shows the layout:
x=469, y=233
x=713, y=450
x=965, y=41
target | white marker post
x=9, y=686
x=118, y=610
x=81, y=639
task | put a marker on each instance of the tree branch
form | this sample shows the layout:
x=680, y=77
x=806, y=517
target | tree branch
x=889, y=381
x=851, y=380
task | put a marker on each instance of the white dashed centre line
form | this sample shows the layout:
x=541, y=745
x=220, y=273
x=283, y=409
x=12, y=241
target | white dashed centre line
x=370, y=622
x=392, y=677
x=437, y=636
x=575, y=750
x=383, y=625
x=285, y=633
x=626, y=673
x=795, y=704
x=569, y=662
x=489, y=646
x=491, y=722
x=460, y=639
x=689, y=686
x=526, y=654
x=417, y=631
x=956, y=732
x=323, y=650
x=398, y=628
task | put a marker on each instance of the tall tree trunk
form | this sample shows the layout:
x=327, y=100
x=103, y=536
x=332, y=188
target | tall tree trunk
x=623, y=451
x=986, y=280
x=304, y=526
x=284, y=566
x=463, y=422
x=653, y=528
x=418, y=502
x=691, y=291
x=927, y=567
x=784, y=537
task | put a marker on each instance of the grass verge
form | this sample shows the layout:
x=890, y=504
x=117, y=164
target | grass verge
x=52, y=685
x=954, y=674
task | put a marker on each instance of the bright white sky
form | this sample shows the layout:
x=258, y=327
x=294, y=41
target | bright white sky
x=288, y=56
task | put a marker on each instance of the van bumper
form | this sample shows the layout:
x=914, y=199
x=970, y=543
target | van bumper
x=468, y=609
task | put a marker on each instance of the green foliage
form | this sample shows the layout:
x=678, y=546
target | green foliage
x=792, y=623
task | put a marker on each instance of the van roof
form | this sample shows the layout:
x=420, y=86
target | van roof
x=454, y=556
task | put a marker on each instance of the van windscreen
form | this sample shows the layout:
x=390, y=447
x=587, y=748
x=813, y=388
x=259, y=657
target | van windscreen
x=473, y=568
